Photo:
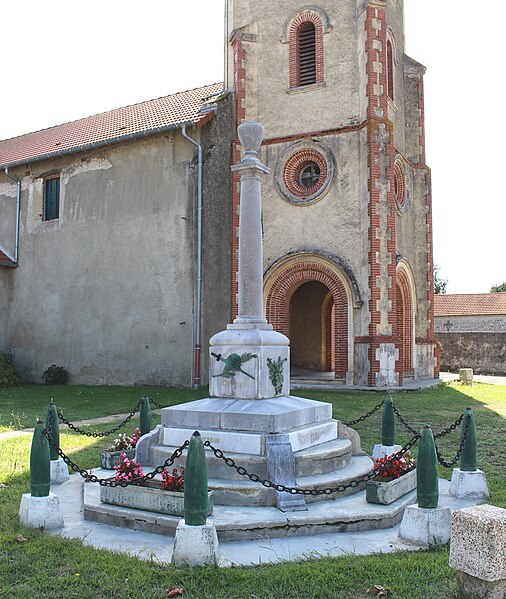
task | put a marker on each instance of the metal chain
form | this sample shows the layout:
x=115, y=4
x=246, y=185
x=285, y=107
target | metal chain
x=156, y=404
x=357, y=420
x=403, y=421
x=109, y=482
x=451, y=428
x=296, y=490
x=456, y=458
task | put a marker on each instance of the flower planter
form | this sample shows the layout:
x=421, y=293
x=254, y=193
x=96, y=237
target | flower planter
x=388, y=492
x=148, y=497
x=109, y=459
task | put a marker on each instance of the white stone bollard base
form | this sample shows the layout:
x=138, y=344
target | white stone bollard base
x=468, y=485
x=380, y=451
x=196, y=545
x=426, y=526
x=59, y=472
x=40, y=512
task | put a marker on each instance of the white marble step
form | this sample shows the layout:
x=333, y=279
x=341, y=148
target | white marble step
x=320, y=459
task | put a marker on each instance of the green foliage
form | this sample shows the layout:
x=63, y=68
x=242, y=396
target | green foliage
x=498, y=288
x=440, y=282
x=8, y=375
x=55, y=375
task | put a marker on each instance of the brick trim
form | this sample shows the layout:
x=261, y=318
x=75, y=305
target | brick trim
x=282, y=290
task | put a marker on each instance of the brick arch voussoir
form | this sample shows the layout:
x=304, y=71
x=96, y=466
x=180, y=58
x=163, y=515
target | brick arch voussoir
x=282, y=290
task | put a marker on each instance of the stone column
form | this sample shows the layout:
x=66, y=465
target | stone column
x=250, y=169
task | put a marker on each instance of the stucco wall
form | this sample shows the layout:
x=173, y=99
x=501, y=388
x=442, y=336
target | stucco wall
x=267, y=66
x=470, y=324
x=104, y=290
x=485, y=353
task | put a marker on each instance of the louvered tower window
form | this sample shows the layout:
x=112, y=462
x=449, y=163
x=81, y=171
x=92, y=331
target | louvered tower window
x=307, y=54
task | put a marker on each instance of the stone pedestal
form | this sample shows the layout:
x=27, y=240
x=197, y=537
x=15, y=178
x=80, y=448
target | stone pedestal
x=468, y=485
x=466, y=376
x=196, y=545
x=426, y=526
x=478, y=551
x=40, y=512
x=59, y=472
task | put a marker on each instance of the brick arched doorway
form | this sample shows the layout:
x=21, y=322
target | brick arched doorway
x=405, y=323
x=288, y=288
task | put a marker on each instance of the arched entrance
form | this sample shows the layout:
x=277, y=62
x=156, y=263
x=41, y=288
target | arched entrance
x=405, y=321
x=310, y=318
x=309, y=299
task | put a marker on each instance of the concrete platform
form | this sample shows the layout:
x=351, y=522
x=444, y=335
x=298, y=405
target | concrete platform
x=150, y=546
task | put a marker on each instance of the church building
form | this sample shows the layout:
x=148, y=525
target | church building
x=119, y=232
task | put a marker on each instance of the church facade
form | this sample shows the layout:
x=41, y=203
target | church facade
x=108, y=269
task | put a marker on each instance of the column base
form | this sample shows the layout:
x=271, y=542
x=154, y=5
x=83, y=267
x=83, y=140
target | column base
x=426, y=526
x=468, y=485
x=59, y=472
x=40, y=512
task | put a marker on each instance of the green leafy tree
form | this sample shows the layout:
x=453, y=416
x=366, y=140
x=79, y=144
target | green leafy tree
x=440, y=282
x=498, y=288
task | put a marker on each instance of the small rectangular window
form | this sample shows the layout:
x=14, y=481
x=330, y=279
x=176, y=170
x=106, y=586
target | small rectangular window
x=52, y=198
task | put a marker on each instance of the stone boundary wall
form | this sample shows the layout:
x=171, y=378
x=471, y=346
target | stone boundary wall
x=471, y=324
x=485, y=353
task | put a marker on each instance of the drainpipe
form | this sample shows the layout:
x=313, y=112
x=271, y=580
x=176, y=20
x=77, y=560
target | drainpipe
x=196, y=334
x=18, y=209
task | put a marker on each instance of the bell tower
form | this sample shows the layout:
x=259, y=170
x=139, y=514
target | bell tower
x=348, y=202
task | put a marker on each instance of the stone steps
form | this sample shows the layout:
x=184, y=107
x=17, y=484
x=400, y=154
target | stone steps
x=246, y=493
x=351, y=513
x=320, y=459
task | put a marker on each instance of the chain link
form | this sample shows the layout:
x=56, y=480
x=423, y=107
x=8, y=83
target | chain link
x=110, y=482
x=365, y=416
x=456, y=458
x=156, y=404
x=95, y=434
x=403, y=421
x=451, y=428
x=296, y=490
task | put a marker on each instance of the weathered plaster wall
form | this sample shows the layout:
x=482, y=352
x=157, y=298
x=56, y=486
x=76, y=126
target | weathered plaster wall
x=470, y=324
x=268, y=98
x=217, y=138
x=485, y=353
x=103, y=290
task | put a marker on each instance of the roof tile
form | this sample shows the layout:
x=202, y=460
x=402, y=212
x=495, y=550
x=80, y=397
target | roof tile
x=183, y=107
x=471, y=304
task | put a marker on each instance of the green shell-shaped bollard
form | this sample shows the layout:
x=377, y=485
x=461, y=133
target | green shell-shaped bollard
x=469, y=458
x=427, y=483
x=40, y=469
x=195, y=483
x=53, y=429
x=145, y=416
x=388, y=423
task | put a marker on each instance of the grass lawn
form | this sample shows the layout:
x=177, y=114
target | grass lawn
x=50, y=566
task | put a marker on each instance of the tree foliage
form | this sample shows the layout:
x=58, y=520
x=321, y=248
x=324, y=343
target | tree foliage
x=440, y=282
x=498, y=288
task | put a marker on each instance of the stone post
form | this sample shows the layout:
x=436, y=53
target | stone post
x=196, y=541
x=467, y=481
x=40, y=508
x=59, y=471
x=426, y=524
x=388, y=446
x=251, y=274
x=478, y=551
x=145, y=416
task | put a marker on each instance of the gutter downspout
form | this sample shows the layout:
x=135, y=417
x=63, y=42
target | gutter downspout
x=18, y=210
x=198, y=301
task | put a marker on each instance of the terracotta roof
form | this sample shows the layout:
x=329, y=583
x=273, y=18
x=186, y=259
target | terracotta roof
x=471, y=304
x=5, y=260
x=108, y=127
